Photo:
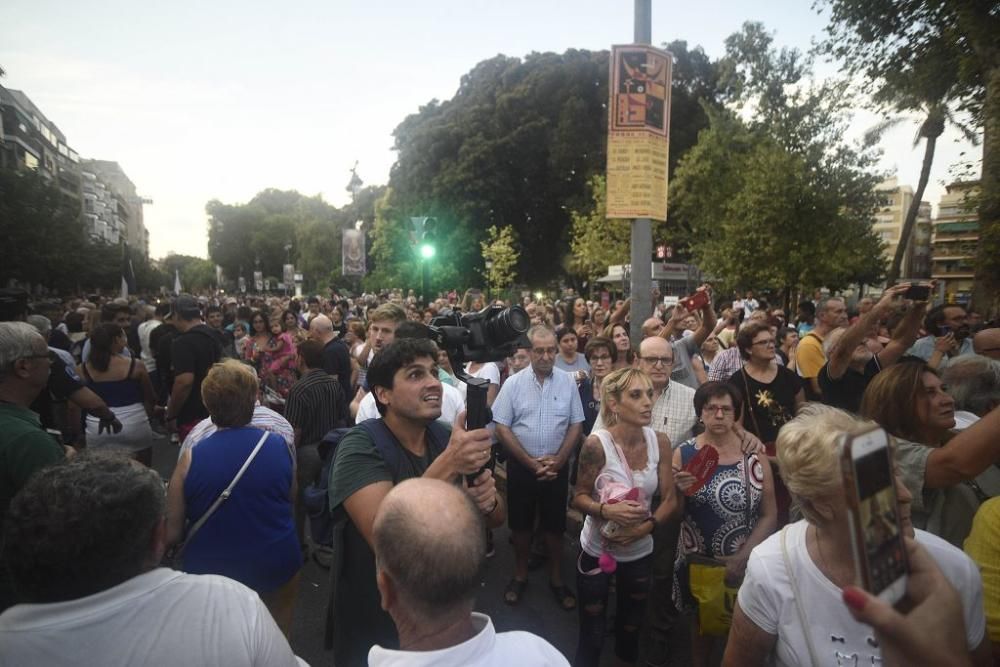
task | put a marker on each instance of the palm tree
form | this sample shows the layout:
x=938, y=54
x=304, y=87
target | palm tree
x=936, y=116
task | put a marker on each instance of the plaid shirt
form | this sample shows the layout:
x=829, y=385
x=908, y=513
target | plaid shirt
x=673, y=414
x=728, y=362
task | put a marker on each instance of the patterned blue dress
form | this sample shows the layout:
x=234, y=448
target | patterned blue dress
x=715, y=517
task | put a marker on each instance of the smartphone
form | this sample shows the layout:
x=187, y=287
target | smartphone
x=880, y=563
x=917, y=292
x=695, y=301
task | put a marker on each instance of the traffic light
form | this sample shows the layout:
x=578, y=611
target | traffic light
x=426, y=233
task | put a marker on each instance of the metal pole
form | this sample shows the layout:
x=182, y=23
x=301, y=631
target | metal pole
x=642, y=231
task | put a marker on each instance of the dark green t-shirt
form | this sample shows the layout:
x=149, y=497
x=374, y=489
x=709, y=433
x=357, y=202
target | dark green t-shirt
x=24, y=449
x=360, y=622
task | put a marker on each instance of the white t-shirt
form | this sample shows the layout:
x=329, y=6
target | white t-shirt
x=161, y=617
x=766, y=598
x=486, y=649
x=489, y=370
x=452, y=403
x=147, y=354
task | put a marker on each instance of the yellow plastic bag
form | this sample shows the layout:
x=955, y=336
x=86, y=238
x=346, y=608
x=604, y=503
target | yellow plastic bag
x=715, y=598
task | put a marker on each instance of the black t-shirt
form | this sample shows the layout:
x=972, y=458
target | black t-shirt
x=194, y=352
x=160, y=341
x=63, y=382
x=337, y=361
x=846, y=392
x=768, y=406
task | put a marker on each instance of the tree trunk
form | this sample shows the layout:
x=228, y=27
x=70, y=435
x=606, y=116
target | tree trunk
x=931, y=136
x=987, y=286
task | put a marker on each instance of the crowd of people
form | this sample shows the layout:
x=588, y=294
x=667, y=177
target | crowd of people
x=710, y=443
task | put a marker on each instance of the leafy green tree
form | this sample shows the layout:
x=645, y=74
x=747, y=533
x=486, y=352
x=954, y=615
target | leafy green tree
x=500, y=248
x=764, y=217
x=516, y=147
x=918, y=48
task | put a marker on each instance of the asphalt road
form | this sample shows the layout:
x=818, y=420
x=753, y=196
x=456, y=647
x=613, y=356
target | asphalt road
x=537, y=612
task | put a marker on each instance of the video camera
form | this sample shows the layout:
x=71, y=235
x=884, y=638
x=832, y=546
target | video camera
x=492, y=334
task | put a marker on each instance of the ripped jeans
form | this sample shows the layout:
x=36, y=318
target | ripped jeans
x=632, y=582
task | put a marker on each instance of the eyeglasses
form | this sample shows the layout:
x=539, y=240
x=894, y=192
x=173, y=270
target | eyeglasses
x=658, y=361
x=765, y=343
x=714, y=409
x=600, y=357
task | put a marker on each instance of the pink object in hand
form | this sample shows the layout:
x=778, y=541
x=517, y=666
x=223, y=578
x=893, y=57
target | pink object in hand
x=607, y=563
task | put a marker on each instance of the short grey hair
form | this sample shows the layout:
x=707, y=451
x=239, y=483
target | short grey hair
x=540, y=330
x=974, y=382
x=18, y=340
x=42, y=324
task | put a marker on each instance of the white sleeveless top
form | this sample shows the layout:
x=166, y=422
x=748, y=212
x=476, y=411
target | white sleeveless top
x=646, y=479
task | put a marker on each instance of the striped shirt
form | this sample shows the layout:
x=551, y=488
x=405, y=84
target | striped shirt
x=539, y=414
x=263, y=418
x=315, y=405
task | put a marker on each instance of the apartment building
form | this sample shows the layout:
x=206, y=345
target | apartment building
x=956, y=240
x=894, y=202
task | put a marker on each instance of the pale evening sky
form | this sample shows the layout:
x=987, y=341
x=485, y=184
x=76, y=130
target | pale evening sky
x=219, y=100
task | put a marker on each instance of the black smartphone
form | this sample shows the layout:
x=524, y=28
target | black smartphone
x=917, y=292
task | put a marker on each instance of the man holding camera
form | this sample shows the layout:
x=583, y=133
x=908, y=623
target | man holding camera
x=539, y=419
x=374, y=456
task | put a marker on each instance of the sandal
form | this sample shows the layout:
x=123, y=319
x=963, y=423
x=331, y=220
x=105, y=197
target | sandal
x=514, y=591
x=564, y=597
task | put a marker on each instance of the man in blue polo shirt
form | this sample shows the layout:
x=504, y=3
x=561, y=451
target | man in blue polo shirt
x=539, y=419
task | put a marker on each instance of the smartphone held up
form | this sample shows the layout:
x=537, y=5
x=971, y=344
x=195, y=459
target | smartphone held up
x=880, y=562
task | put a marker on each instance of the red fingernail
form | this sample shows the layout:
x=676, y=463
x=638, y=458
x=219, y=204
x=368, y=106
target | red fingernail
x=855, y=598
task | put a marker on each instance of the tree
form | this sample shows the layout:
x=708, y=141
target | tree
x=764, y=217
x=894, y=43
x=516, y=147
x=500, y=248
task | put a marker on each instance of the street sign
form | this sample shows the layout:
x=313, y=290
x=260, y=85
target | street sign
x=638, y=132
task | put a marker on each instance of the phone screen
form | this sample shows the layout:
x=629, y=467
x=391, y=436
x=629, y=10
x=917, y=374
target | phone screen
x=883, y=542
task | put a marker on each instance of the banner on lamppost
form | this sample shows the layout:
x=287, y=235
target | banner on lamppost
x=288, y=273
x=638, y=132
x=352, y=256
x=242, y=283
x=258, y=281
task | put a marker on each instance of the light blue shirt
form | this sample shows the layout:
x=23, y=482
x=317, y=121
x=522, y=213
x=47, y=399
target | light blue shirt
x=539, y=414
x=924, y=348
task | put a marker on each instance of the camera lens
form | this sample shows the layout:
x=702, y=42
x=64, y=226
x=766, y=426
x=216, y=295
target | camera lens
x=507, y=325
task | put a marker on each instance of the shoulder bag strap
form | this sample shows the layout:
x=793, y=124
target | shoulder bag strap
x=223, y=497
x=797, y=597
x=747, y=405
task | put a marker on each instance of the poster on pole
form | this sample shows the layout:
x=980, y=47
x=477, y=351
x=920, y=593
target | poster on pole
x=352, y=253
x=288, y=273
x=258, y=281
x=638, y=132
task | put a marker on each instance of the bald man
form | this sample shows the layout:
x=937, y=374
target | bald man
x=987, y=343
x=336, y=356
x=421, y=525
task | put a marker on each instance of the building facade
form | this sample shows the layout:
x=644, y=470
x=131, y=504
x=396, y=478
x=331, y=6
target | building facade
x=955, y=241
x=118, y=208
x=110, y=209
x=29, y=140
x=894, y=202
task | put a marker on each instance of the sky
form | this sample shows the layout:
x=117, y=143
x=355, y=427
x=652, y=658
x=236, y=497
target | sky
x=219, y=100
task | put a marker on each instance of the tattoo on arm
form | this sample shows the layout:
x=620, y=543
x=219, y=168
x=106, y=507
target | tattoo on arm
x=590, y=464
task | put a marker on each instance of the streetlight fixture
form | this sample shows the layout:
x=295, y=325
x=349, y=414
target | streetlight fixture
x=489, y=279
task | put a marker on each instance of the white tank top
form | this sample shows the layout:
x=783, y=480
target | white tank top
x=646, y=479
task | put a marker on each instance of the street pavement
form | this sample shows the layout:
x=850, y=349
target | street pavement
x=538, y=611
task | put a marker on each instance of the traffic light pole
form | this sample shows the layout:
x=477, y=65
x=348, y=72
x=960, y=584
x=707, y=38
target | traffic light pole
x=642, y=231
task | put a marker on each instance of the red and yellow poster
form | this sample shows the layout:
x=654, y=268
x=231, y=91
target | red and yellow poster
x=638, y=132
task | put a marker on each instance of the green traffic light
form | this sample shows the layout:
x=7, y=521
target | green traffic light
x=427, y=251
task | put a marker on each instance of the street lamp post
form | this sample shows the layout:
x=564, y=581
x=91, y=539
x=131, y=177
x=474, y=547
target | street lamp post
x=489, y=279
